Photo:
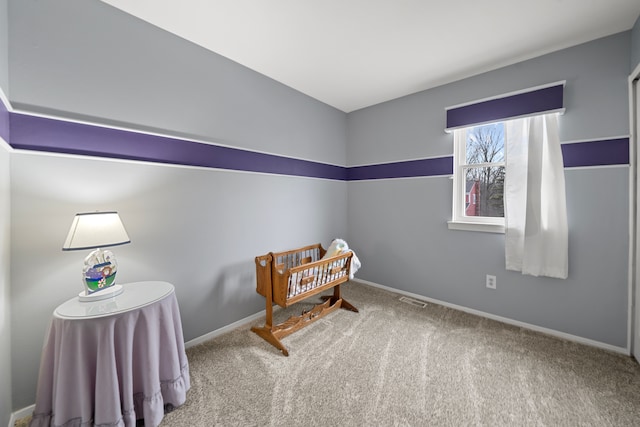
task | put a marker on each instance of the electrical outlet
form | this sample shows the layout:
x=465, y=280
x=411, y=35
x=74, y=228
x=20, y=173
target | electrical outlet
x=491, y=281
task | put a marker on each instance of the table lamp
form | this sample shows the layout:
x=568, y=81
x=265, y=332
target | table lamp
x=97, y=230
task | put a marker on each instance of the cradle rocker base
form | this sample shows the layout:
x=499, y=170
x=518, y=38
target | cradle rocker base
x=273, y=334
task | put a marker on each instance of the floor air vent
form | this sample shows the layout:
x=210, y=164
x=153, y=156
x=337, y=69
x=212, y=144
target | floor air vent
x=412, y=301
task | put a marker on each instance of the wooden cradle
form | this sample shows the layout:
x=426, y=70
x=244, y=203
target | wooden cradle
x=286, y=278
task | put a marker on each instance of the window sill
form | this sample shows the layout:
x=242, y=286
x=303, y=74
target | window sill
x=475, y=226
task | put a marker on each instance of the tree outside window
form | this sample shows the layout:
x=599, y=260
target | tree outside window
x=484, y=171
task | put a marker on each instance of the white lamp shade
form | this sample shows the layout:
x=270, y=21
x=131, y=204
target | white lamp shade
x=95, y=230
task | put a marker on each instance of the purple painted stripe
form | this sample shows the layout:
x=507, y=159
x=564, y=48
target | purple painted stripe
x=596, y=153
x=4, y=122
x=43, y=134
x=522, y=104
x=52, y=135
x=412, y=168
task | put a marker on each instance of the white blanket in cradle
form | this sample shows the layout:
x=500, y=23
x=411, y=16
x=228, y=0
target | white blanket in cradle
x=339, y=246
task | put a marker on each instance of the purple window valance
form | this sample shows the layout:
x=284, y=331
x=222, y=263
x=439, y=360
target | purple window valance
x=538, y=100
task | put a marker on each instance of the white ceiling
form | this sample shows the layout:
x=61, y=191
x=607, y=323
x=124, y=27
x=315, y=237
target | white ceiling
x=354, y=53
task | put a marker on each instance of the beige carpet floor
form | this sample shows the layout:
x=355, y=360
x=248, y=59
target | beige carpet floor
x=395, y=364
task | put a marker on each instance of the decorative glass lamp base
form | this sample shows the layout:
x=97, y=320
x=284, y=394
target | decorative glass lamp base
x=109, y=292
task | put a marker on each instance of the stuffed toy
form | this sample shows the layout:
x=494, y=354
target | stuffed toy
x=339, y=246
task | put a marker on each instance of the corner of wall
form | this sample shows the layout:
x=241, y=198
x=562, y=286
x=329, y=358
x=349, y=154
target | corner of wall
x=6, y=401
x=6, y=398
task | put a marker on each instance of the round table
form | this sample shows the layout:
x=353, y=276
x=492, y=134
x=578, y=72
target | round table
x=113, y=361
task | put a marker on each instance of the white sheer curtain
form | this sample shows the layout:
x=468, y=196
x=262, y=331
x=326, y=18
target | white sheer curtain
x=536, y=231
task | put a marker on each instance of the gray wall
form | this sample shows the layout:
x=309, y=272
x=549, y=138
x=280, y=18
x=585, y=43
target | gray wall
x=399, y=229
x=635, y=45
x=197, y=228
x=4, y=46
x=6, y=403
x=68, y=57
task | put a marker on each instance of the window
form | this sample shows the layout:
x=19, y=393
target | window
x=478, y=178
x=480, y=152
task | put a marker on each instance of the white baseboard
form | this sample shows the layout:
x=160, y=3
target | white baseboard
x=506, y=320
x=21, y=413
x=547, y=331
x=213, y=334
x=224, y=329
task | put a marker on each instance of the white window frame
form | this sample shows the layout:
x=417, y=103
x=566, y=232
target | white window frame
x=459, y=220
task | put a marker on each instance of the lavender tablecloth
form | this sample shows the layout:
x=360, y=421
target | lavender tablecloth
x=111, y=369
